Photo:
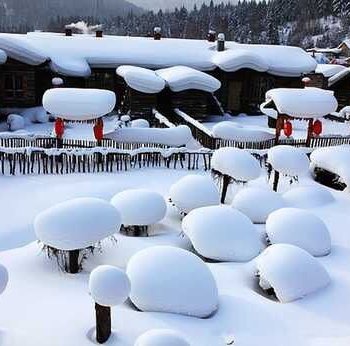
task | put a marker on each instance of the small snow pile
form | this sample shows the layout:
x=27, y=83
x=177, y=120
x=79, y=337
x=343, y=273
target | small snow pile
x=161, y=337
x=109, y=286
x=235, y=132
x=236, y=163
x=291, y=272
x=300, y=228
x=222, y=233
x=173, y=280
x=79, y=104
x=140, y=207
x=268, y=201
x=57, y=81
x=288, y=160
x=4, y=278
x=141, y=79
x=345, y=112
x=77, y=223
x=193, y=191
x=179, y=78
x=35, y=115
x=15, y=122
x=308, y=197
x=140, y=123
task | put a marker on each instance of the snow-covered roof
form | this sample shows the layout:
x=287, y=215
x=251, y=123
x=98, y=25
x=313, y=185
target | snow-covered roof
x=338, y=76
x=302, y=103
x=76, y=55
x=329, y=70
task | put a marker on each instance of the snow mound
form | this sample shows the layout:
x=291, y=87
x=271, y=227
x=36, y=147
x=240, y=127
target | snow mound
x=74, y=67
x=140, y=123
x=269, y=201
x=235, y=132
x=292, y=272
x=4, y=278
x=161, y=337
x=77, y=223
x=141, y=79
x=194, y=191
x=222, y=233
x=173, y=280
x=57, y=81
x=109, y=286
x=308, y=197
x=15, y=122
x=140, y=207
x=175, y=136
x=79, y=104
x=35, y=115
x=179, y=78
x=300, y=228
x=288, y=160
x=236, y=163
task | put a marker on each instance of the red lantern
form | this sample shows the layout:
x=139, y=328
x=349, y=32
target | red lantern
x=317, y=127
x=59, y=128
x=98, y=130
x=288, y=128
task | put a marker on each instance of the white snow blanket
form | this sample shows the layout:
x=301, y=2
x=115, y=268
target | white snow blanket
x=175, y=136
x=334, y=159
x=236, y=132
x=15, y=122
x=141, y=79
x=161, y=337
x=291, y=271
x=236, y=163
x=194, y=191
x=288, y=160
x=222, y=233
x=140, y=123
x=77, y=223
x=169, y=279
x=308, y=197
x=300, y=228
x=140, y=207
x=4, y=278
x=79, y=104
x=269, y=201
x=329, y=70
x=179, y=78
x=302, y=103
x=109, y=286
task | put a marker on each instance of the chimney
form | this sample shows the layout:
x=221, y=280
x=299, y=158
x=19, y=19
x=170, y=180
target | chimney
x=221, y=42
x=68, y=31
x=157, y=33
x=211, y=36
x=99, y=33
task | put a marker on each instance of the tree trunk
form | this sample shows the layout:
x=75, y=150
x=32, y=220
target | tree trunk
x=73, y=261
x=275, y=181
x=103, y=323
x=225, y=183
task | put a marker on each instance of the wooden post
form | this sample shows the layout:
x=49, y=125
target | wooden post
x=275, y=181
x=309, y=132
x=225, y=183
x=103, y=323
x=73, y=261
x=279, y=126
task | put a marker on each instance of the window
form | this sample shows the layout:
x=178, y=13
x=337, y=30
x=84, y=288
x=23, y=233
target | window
x=13, y=86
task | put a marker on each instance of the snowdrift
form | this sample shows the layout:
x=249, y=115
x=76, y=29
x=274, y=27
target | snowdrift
x=161, y=337
x=140, y=123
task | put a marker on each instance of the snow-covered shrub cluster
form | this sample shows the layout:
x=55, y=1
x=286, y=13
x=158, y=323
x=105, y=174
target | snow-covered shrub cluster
x=15, y=122
x=161, y=337
x=291, y=272
x=193, y=191
x=222, y=233
x=140, y=123
x=35, y=115
x=257, y=203
x=4, y=278
x=300, y=228
x=173, y=280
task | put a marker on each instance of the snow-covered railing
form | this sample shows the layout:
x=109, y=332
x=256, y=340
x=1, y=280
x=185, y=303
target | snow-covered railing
x=162, y=120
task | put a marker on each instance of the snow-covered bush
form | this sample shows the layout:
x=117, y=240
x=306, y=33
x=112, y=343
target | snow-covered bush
x=140, y=123
x=35, y=115
x=161, y=337
x=70, y=229
x=173, y=280
x=222, y=233
x=300, y=228
x=4, y=278
x=257, y=203
x=139, y=209
x=57, y=81
x=291, y=272
x=109, y=286
x=15, y=122
x=193, y=191
x=308, y=197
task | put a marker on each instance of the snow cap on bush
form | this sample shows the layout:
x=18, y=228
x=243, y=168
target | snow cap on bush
x=15, y=122
x=77, y=223
x=268, y=201
x=236, y=163
x=222, y=233
x=109, y=286
x=300, y=228
x=288, y=160
x=173, y=280
x=291, y=271
x=161, y=337
x=4, y=278
x=140, y=207
x=140, y=123
x=194, y=191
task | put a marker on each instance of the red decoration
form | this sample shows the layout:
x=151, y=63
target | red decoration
x=59, y=128
x=288, y=128
x=317, y=127
x=98, y=130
